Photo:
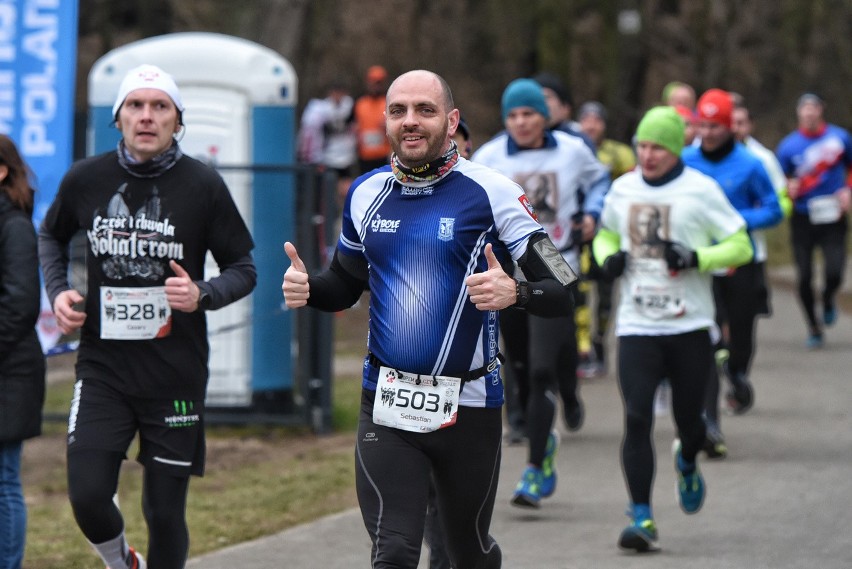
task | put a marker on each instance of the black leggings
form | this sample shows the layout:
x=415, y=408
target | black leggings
x=736, y=298
x=831, y=239
x=643, y=361
x=392, y=476
x=92, y=482
x=543, y=354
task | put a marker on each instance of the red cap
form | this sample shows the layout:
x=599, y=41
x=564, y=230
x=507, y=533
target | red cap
x=716, y=106
x=687, y=114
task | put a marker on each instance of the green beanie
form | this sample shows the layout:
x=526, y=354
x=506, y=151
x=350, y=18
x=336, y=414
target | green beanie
x=663, y=126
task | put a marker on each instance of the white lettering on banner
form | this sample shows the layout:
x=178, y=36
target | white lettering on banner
x=7, y=101
x=33, y=19
x=39, y=99
x=8, y=18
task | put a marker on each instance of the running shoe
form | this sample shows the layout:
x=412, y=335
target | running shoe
x=574, y=415
x=829, y=315
x=740, y=397
x=714, y=442
x=590, y=369
x=690, y=487
x=136, y=560
x=528, y=491
x=815, y=341
x=548, y=465
x=640, y=536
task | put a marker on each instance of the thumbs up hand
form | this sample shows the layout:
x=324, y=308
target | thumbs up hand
x=295, y=287
x=181, y=292
x=493, y=289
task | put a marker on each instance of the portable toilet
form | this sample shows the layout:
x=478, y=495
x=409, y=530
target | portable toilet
x=240, y=100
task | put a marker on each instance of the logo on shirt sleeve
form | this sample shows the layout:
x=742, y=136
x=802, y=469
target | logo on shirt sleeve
x=527, y=206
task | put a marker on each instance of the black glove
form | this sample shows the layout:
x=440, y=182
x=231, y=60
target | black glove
x=613, y=266
x=679, y=256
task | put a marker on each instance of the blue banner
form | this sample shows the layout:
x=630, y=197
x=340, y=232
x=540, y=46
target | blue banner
x=38, y=55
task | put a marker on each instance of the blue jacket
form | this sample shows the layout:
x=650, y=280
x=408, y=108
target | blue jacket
x=745, y=181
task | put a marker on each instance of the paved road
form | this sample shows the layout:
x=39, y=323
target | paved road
x=781, y=500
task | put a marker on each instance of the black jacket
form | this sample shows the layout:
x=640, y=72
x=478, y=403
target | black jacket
x=22, y=367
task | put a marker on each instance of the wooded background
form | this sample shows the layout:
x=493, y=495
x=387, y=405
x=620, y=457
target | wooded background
x=620, y=52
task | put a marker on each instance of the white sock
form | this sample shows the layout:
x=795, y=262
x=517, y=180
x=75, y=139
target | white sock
x=114, y=552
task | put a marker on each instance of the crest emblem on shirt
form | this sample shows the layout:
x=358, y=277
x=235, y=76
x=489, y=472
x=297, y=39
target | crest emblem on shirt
x=528, y=206
x=445, y=229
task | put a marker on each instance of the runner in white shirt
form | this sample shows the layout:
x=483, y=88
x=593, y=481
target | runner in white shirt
x=564, y=182
x=663, y=228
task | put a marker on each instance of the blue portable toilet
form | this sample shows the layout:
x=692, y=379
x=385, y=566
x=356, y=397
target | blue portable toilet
x=240, y=100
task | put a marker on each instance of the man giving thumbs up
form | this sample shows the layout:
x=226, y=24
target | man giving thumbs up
x=428, y=236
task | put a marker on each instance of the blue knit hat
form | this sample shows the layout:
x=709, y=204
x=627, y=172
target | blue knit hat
x=524, y=93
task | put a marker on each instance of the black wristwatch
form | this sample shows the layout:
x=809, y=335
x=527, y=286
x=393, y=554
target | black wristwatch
x=203, y=300
x=522, y=292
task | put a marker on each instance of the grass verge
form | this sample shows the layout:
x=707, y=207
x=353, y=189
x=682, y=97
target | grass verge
x=258, y=481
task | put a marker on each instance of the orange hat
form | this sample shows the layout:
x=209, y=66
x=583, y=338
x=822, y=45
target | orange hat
x=376, y=73
x=716, y=106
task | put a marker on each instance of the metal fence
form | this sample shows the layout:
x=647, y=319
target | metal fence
x=309, y=402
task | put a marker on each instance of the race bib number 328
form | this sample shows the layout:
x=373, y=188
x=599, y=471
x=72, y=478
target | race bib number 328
x=130, y=313
x=418, y=403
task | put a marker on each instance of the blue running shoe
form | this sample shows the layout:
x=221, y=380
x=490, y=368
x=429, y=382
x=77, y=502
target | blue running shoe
x=640, y=536
x=690, y=487
x=528, y=491
x=815, y=341
x=829, y=315
x=548, y=466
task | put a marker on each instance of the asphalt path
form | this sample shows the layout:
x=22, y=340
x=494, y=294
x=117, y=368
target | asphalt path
x=781, y=500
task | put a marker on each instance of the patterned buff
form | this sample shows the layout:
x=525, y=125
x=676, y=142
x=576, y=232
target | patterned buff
x=429, y=172
x=150, y=168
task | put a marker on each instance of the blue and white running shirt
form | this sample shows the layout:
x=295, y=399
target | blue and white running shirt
x=421, y=241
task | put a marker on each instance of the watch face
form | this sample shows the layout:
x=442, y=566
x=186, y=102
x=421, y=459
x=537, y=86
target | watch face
x=523, y=293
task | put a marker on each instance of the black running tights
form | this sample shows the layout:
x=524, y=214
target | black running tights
x=543, y=353
x=392, y=478
x=643, y=361
x=805, y=238
x=92, y=482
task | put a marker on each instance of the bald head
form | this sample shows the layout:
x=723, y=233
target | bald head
x=428, y=80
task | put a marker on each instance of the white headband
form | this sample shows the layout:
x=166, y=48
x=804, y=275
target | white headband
x=147, y=77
